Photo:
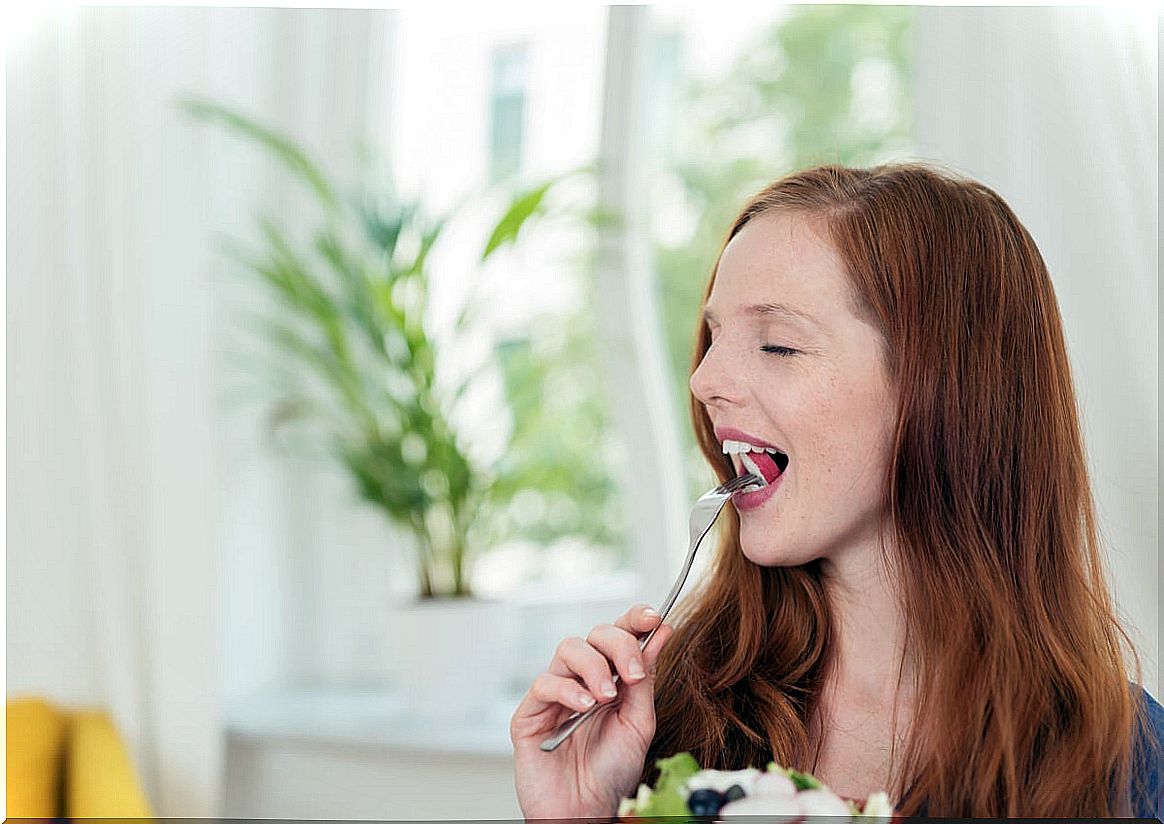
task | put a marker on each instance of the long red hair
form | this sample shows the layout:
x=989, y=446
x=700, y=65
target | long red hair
x=1023, y=704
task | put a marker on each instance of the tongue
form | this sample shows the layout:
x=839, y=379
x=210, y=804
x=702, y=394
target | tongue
x=764, y=463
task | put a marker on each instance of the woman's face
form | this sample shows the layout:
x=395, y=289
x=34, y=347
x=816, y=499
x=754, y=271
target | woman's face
x=791, y=366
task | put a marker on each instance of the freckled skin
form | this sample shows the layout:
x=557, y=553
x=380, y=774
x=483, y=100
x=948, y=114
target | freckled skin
x=830, y=406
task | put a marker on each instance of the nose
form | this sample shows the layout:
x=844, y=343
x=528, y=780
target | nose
x=712, y=383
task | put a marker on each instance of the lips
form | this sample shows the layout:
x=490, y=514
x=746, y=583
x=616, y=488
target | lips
x=746, y=501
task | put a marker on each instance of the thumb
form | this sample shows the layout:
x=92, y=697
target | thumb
x=651, y=653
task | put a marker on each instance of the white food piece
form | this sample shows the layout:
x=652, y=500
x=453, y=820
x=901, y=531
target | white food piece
x=720, y=780
x=878, y=806
x=750, y=465
x=776, y=809
x=773, y=783
x=822, y=802
x=644, y=795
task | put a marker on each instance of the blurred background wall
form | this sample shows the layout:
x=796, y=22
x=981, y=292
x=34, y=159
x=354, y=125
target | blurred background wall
x=227, y=595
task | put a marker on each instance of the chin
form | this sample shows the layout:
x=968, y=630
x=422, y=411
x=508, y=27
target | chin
x=763, y=553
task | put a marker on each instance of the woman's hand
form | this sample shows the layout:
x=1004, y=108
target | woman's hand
x=601, y=762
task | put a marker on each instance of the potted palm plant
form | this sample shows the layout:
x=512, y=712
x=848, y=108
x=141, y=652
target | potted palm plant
x=351, y=323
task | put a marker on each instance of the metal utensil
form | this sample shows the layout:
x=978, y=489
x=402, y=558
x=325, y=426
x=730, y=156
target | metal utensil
x=703, y=515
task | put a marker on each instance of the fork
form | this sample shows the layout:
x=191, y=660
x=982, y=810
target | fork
x=703, y=515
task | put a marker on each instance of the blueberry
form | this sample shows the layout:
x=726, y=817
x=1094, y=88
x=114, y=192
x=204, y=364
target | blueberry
x=734, y=792
x=705, y=802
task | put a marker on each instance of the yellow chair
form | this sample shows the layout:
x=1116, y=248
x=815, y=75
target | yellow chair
x=68, y=763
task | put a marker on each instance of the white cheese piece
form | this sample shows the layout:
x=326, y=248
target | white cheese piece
x=878, y=806
x=776, y=809
x=721, y=780
x=773, y=783
x=822, y=802
x=750, y=465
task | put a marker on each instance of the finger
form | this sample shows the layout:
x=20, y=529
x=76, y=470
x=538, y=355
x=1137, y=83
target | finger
x=575, y=658
x=622, y=648
x=539, y=709
x=638, y=620
x=555, y=689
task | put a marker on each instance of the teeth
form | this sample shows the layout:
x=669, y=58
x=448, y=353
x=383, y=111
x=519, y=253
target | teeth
x=742, y=447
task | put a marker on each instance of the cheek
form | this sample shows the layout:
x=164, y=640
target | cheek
x=849, y=430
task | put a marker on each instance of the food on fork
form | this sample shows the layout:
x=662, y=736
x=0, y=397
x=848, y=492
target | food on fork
x=777, y=793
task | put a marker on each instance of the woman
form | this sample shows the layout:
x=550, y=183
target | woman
x=917, y=603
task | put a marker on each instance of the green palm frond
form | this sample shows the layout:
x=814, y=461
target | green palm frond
x=294, y=158
x=356, y=366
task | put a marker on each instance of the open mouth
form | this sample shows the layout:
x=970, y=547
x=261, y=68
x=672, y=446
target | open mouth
x=767, y=462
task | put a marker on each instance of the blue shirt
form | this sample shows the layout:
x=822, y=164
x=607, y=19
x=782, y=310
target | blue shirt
x=1149, y=803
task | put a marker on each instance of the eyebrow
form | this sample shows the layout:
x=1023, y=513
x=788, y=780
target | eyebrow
x=766, y=310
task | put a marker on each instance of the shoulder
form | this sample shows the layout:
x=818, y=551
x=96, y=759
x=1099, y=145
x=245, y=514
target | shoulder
x=1155, y=710
x=1152, y=731
x=1149, y=744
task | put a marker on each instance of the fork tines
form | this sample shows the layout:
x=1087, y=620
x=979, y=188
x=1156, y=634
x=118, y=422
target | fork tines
x=739, y=482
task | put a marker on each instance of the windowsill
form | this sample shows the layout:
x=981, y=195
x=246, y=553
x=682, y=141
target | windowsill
x=369, y=718
x=377, y=717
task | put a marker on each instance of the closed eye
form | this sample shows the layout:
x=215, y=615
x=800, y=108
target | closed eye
x=783, y=351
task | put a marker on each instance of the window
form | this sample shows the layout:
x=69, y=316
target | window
x=771, y=92
x=481, y=107
x=507, y=111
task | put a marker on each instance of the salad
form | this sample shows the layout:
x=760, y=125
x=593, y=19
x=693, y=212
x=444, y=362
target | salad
x=777, y=793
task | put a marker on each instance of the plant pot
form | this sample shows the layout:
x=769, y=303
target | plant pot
x=451, y=657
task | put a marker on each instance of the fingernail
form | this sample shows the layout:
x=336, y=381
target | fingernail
x=609, y=690
x=586, y=698
x=649, y=613
x=635, y=669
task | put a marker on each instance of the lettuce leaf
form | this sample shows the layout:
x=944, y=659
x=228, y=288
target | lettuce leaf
x=668, y=802
x=675, y=770
x=804, y=781
x=667, y=797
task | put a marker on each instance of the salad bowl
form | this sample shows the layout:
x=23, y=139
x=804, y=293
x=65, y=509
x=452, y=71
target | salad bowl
x=775, y=795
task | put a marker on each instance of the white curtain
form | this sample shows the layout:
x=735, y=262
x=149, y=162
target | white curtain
x=122, y=476
x=1056, y=109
